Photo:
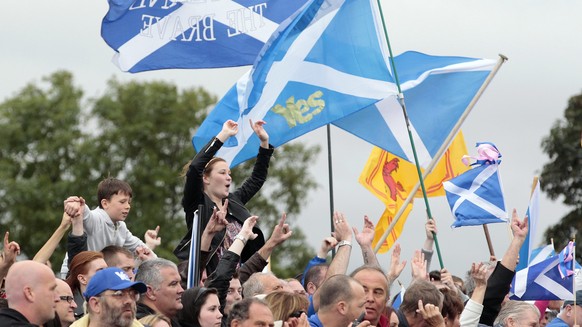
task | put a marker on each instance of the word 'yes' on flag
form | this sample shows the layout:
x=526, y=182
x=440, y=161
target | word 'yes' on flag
x=162, y=34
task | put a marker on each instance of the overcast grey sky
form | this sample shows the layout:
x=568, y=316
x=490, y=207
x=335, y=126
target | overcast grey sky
x=541, y=39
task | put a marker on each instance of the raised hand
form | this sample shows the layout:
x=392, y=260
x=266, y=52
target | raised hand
x=519, y=227
x=366, y=237
x=281, y=232
x=247, y=228
x=152, y=240
x=327, y=245
x=10, y=251
x=396, y=266
x=418, y=265
x=259, y=130
x=218, y=220
x=431, y=314
x=430, y=228
x=343, y=232
x=74, y=206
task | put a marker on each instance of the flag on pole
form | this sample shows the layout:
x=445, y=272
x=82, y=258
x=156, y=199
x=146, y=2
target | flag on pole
x=443, y=94
x=152, y=34
x=540, y=254
x=476, y=196
x=388, y=176
x=543, y=281
x=329, y=62
x=533, y=217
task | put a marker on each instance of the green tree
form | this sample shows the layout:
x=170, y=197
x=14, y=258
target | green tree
x=139, y=132
x=562, y=175
x=39, y=141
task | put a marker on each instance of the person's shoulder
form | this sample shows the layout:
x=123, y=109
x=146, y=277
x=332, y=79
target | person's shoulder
x=557, y=322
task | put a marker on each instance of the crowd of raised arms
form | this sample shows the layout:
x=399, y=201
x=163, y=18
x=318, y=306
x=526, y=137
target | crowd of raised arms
x=112, y=278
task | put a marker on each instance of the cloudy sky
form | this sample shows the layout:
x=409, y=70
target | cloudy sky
x=540, y=38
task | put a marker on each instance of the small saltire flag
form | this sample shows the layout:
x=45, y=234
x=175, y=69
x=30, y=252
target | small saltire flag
x=388, y=176
x=326, y=63
x=383, y=224
x=543, y=281
x=476, y=196
x=436, y=89
x=161, y=34
x=533, y=218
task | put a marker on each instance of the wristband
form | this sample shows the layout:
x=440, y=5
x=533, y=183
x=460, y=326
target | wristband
x=344, y=242
x=241, y=238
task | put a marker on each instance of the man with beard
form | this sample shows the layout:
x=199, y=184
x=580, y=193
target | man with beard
x=111, y=300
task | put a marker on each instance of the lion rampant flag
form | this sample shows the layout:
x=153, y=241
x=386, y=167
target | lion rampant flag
x=390, y=178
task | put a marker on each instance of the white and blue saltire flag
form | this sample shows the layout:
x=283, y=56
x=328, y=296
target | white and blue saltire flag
x=543, y=281
x=476, y=197
x=436, y=89
x=533, y=217
x=540, y=254
x=162, y=34
x=329, y=62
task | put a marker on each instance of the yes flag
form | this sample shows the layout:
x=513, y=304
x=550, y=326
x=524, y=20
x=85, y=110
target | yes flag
x=543, y=281
x=525, y=253
x=328, y=62
x=162, y=34
x=476, y=197
x=436, y=89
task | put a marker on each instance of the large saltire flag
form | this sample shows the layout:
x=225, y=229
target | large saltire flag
x=388, y=176
x=435, y=101
x=162, y=34
x=328, y=63
x=476, y=196
x=525, y=253
x=544, y=280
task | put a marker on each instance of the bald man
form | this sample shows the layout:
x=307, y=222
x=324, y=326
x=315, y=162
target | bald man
x=31, y=293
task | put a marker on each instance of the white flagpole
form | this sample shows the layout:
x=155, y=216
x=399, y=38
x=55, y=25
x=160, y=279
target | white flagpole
x=441, y=150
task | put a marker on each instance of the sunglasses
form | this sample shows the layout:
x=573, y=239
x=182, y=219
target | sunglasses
x=296, y=314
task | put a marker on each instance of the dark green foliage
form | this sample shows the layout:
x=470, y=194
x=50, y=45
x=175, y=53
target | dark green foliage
x=53, y=145
x=562, y=176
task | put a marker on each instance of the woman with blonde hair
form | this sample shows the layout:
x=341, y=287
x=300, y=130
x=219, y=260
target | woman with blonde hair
x=287, y=307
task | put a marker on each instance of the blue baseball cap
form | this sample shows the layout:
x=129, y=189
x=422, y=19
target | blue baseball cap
x=113, y=279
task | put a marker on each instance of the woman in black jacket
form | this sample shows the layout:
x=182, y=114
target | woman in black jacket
x=208, y=183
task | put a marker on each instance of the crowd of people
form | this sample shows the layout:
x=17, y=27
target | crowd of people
x=111, y=278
